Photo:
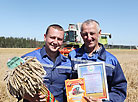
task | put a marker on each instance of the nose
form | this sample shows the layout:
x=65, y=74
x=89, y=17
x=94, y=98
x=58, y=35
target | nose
x=55, y=41
x=89, y=36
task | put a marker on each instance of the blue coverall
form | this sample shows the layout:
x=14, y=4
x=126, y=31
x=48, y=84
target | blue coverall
x=117, y=84
x=56, y=72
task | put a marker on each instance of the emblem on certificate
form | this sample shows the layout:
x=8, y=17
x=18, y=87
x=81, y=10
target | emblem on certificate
x=95, y=79
x=75, y=90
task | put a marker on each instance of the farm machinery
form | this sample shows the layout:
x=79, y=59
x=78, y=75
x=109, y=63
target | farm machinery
x=73, y=39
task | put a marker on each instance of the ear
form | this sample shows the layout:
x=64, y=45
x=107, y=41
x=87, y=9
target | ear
x=44, y=37
x=99, y=33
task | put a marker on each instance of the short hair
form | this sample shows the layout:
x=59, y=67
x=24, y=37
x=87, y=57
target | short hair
x=55, y=26
x=91, y=21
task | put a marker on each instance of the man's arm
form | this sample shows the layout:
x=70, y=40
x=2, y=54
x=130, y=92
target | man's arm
x=118, y=88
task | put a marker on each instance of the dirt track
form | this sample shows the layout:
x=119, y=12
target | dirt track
x=127, y=58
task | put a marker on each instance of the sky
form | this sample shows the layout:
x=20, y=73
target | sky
x=30, y=18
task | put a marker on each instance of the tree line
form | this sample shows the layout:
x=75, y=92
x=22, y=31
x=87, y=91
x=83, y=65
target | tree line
x=14, y=42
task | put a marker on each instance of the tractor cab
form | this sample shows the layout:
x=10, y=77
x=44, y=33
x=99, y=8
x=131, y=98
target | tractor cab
x=103, y=39
x=70, y=36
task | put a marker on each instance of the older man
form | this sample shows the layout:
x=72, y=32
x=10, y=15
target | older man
x=95, y=52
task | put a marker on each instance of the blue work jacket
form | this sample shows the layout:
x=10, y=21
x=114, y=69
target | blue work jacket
x=117, y=84
x=56, y=72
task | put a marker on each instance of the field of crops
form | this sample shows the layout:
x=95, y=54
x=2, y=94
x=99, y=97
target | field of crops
x=127, y=58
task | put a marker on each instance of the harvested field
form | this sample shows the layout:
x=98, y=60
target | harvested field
x=127, y=58
x=5, y=54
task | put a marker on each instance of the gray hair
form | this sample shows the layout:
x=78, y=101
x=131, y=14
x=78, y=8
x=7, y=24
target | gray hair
x=89, y=21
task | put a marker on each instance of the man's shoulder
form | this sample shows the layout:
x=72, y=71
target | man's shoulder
x=65, y=59
x=34, y=53
x=110, y=58
x=110, y=55
x=74, y=51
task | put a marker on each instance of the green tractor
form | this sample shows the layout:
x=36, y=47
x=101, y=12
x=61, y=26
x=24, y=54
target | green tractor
x=103, y=39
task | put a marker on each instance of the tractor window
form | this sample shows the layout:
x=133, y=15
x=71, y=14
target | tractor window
x=70, y=36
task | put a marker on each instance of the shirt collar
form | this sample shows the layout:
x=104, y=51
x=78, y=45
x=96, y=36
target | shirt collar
x=101, y=52
x=43, y=53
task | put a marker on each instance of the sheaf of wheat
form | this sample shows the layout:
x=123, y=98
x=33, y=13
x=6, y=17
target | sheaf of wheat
x=27, y=78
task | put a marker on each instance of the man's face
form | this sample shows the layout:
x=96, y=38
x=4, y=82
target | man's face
x=53, y=40
x=90, y=35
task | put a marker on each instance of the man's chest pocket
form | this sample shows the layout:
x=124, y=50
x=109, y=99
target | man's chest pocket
x=64, y=74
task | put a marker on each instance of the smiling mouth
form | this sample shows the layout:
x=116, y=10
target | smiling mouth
x=55, y=46
x=52, y=44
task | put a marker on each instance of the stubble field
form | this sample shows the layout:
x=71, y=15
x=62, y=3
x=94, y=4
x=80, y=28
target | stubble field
x=127, y=58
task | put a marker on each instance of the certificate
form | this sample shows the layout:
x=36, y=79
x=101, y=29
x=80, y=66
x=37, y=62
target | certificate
x=95, y=79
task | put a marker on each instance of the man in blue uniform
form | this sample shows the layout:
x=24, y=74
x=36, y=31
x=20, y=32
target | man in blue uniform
x=92, y=51
x=57, y=67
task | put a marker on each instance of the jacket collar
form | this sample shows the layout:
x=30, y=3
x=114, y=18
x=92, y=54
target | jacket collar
x=101, y=52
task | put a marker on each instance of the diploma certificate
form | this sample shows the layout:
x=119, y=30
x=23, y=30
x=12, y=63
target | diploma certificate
x=95, y=79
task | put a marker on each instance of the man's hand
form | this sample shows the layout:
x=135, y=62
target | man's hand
x=91, y=99
x=37, y=98
x=42, y=97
